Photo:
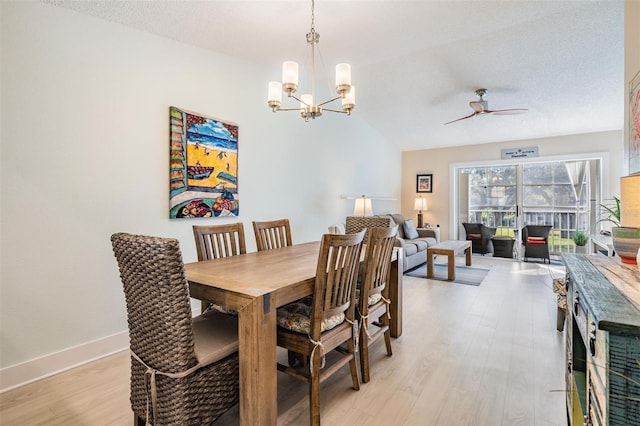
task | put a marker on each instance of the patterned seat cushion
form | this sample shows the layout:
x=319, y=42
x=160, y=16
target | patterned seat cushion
x=296, y=316
x=373, y=298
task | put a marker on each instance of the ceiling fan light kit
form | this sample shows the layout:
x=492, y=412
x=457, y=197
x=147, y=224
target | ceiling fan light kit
x=482, y=107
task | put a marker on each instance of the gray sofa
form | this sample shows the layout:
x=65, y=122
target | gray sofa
x=414, y=248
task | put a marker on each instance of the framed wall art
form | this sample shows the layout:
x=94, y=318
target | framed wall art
x=634, y=125
x=424, y=183
x=203, y=170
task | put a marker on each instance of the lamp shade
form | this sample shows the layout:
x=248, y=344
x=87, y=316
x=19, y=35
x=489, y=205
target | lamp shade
x=362, y=207
x=630, y=201
x=420, y=204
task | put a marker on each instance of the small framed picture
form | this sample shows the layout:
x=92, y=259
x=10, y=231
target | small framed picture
x=424, y=183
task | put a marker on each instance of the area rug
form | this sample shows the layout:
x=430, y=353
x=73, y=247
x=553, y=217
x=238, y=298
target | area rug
x=464, y=274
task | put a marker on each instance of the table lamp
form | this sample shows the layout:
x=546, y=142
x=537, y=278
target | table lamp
x=362, y=207
x=419, y=205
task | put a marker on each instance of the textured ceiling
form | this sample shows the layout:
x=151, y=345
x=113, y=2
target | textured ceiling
x=416, y=64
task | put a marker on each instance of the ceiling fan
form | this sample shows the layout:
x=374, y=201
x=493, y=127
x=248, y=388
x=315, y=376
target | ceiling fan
x=482, y=107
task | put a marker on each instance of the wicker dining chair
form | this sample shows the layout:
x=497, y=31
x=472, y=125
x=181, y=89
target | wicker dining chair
x=329, y=322
x=272, y=234
x=183, y=371
x=373, y=296
x=216, y=241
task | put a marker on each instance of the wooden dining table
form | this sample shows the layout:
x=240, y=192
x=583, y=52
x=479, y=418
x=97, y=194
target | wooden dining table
x=255, y=285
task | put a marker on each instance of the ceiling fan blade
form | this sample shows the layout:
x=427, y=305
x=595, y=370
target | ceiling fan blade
x=463, y=118
x=478, y=106
x=507, y=111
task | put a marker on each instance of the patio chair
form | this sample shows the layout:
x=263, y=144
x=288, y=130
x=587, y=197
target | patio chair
x=536, y=242
x=480, y=237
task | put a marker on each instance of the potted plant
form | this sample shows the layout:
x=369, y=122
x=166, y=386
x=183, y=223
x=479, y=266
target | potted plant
x=580, y=238
x=625, y=239
x=611, y=212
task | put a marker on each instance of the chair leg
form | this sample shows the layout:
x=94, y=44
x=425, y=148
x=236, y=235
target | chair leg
x=138, y=421
x=353, y=364
x=387, y=341
x=314, y=395
x=314, y=389
x=364, y=355
x=560, y=319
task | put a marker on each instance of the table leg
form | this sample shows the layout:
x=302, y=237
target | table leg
x=467, y=253
x=429, y=264
x=257, y=349
x=451, y=267
x=395, y=294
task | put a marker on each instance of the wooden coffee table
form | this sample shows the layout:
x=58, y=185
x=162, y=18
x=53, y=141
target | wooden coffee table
x=449, y=248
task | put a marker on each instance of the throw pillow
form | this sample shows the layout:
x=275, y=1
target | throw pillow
x=410, y=231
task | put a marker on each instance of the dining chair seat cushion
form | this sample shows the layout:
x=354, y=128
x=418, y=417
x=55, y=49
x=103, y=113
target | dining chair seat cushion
x=296, y=317
x=215, y=336
x=222, y=309
x=410, y=231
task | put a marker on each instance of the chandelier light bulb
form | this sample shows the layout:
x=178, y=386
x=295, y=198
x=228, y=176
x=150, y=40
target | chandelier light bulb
x=343, y=78
x=349, y=100
x=290, y=76
x=275, y=94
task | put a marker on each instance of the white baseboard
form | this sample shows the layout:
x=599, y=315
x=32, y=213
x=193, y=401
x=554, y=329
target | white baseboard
x=38, y=368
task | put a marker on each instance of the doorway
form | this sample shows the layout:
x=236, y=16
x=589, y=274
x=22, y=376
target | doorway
x=562, y=193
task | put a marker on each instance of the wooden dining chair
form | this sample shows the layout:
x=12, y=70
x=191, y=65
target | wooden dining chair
x=373, y=313
x=328, y=322
x=272, y=234
x=216, y=241
x=184, y=371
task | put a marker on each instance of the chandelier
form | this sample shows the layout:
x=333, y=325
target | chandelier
x=309, y=108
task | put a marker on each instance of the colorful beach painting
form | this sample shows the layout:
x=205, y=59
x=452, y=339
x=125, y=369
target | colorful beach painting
x=203, y=166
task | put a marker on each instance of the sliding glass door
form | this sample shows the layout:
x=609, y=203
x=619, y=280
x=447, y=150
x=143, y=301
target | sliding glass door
x=557, y=193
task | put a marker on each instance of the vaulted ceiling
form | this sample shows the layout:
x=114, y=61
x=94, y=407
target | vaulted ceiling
x=416, y=64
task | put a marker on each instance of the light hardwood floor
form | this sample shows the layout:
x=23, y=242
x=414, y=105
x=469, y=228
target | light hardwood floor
x=486, y=355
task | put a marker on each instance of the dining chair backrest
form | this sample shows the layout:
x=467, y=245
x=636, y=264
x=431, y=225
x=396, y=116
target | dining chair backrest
x=377, y=264
x=157, y=296
x=215, y=241
x=272, y=234
x=336, y=278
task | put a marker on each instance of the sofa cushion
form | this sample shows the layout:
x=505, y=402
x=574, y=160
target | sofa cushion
x=410, y=231
x=399, y=220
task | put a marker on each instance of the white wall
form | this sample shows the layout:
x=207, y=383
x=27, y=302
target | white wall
x=437, y=162
x=84, y=130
